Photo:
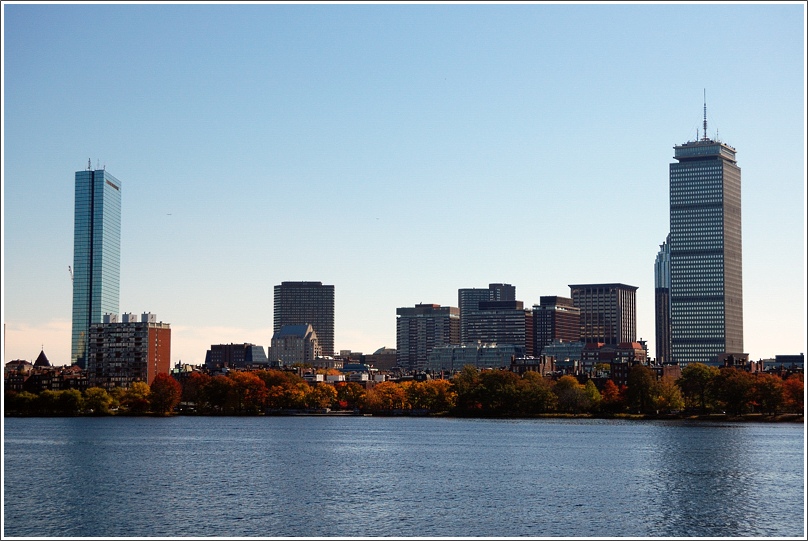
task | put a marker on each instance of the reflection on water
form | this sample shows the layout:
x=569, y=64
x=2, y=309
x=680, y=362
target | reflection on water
x=370, y=476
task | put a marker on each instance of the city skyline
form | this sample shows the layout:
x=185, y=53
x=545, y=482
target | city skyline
x=398, y=152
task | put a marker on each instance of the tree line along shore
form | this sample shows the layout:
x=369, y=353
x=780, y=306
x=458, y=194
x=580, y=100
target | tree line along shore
x=702, y=392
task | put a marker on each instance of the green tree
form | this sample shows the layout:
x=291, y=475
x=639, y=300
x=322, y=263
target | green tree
x=70, y=402
x=498, y=393
x=47, y=402
x=97, y=401
x=536, y=394
x=166, y=393
x=593, y=394
x=668, y=396
x=20, y=403
x=466, y=386
x=572, y=397
x=641, y=389
x=696, y=383
x=733, y=389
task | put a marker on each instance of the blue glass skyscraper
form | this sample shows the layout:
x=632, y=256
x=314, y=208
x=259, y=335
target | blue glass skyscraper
x=96, y=254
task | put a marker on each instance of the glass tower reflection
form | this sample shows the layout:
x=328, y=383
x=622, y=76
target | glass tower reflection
x=96, y=254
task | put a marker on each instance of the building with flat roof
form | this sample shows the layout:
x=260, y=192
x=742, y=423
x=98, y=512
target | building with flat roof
x=608, y=312
x=469, y=299
x=555, y=319
x=96, y=255
x=420, y=329
x=299, y=303
x=237, y=356
x=121, y=353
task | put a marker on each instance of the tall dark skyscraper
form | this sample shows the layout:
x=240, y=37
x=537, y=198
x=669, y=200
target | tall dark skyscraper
x=469, y=299
x=299, y=303
x=706, y=291
x=96, y=255
x=662, y=302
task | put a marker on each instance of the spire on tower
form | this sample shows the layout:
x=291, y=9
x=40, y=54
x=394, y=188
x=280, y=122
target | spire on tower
x=705, y=114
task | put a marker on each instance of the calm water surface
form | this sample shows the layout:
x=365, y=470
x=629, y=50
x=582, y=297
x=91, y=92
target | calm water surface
x=372, y=476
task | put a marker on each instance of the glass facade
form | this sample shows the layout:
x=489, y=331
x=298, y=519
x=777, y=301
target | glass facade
x=96, y=255
x=706, y=295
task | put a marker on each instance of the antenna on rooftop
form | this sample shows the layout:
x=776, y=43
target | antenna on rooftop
x=89, y=164
x=705, y=114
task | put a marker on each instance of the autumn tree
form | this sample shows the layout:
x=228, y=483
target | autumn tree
x=166, y=393
x=97, y=400
x=768, y=393
x=250, y=392
x=220, y=394
x=386, y=396
x=194, y=390
x=46, y=402
x=793, y=391
x=613, y=397
x=349, y=394
x=696, y=383
x=136, y=398
x=321, y=396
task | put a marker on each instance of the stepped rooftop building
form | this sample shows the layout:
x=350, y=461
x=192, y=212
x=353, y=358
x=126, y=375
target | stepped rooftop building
x=706, y=282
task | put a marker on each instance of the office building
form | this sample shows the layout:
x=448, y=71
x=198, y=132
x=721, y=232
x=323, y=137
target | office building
x=662, y=302
x=468, y=300
x=706, y=286
x=555, y=319
x=301, y=303
x=422, y=328
x=453, y=357
x=121, y=353
x=608, y=312
x=499, y=322
x=237, y=356
x=295, y=344
x=96, y=255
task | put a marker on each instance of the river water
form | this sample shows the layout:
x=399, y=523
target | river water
x=341, y=477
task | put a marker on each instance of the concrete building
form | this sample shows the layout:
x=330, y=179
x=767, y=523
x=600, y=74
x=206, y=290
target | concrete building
x=295, y=344
x=608, y=312
x=301, y=303
x=96, y=255
x=706, y=292
x=119, y=354
x=422, y=328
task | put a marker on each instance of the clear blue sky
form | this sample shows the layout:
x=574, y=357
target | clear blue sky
x=398, y=152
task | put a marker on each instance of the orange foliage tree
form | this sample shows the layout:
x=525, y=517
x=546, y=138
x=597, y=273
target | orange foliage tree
x=166, y=393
